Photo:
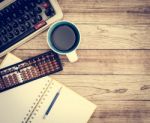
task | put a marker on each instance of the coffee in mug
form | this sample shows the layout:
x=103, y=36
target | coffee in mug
x=64, y=38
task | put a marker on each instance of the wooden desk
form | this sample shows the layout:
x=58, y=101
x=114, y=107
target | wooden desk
x=114, y=66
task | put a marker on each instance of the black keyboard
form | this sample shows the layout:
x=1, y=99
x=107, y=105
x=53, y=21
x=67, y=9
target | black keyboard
x=22, y=18
x=1, y=1
x=29, y=70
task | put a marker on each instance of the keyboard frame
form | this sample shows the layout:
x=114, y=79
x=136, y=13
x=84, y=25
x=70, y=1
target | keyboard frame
x=56, y=17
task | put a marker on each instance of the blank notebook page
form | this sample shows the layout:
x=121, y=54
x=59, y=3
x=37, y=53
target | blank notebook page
x=69, y=107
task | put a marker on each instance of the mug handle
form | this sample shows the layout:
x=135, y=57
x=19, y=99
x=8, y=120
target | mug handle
x=73, y=57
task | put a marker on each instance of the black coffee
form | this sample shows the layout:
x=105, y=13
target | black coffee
x=63, y=38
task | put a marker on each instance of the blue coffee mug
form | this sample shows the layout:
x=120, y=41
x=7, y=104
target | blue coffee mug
x=71, y=53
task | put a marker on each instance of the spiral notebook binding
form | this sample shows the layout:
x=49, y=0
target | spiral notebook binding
x=32, y=112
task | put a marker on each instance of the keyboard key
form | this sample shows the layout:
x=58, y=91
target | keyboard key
x=9, y=28
x=26, y=17
x=16, y=32
x=20, y=20
x=39, y=18
x=49, y=12
x=13, y=6
x=39, y=1
x=33, y=21
x=8, y=19
x=22, y=28
x=4, y=39
x=39, y=25
x=3, y=31
x=10, y=35
x=6, y=11
x=32, y=14
x=37, y=10
x=45, y=5
x=26, y=8
x=20, y=12
x=28, y=25
x=15, y=24
x=33, y=5
x=14, y=15
x=19, y=3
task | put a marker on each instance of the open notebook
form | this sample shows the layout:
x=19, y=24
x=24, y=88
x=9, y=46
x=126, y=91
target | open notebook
x=28, y=103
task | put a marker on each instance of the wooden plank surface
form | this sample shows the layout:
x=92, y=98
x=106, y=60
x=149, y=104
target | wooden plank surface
x=95, y=6
x=99, y=88
x=122, y=112
x=103, y=37
x=120, y=99
x=113, y=70
x=109, y=18
x=98, y=62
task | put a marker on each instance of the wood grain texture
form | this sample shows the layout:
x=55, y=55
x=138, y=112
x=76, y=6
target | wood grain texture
x=109, y=18
x=99, y=62
x=95, y=6
x=99, y=88
x=103, y=37
x=113, y=70
x=120, y=99
x=122, y=112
